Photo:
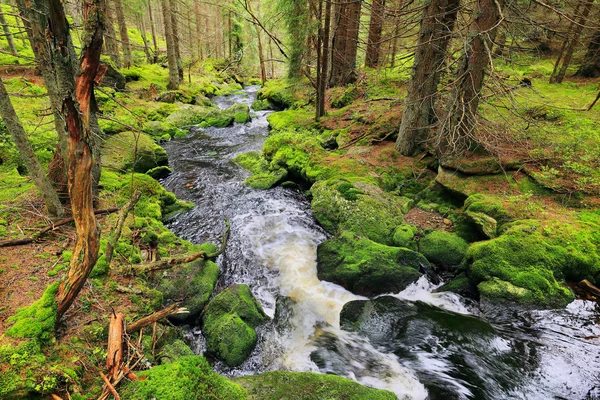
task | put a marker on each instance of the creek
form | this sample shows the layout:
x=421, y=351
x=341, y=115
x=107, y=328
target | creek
x=429, y=345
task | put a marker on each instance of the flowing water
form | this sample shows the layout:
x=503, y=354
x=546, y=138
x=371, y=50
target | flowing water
x=435, y=346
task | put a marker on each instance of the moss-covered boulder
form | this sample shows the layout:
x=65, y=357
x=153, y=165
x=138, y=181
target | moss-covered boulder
x=174, y=351
x=113, y=78
x=159, y=172
x=190, y=378
x=229, y=324
x=161, y=130
x=528, y=264
x=280, y=385
x=192, y=285
x=260, y=105
x=240, y=113
x=119, y=153
x=172, y=96
x=365, y=267
x=264, y=177
x=199, y=115
x=404, y=236
x=358, y=207
x=278, y=93
x=444, y=249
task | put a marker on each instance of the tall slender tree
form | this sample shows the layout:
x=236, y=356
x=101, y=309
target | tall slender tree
x=375, y=30
x=345, y=42
x=590, y=68
x=8, y=34
x=174, y=8
x=153, y=31
x=111, y=43
x=120, y=13
x=171, y=54
x=435, y=32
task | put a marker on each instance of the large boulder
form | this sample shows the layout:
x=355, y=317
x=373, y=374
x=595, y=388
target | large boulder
x=229, y=324
x=529, y=262
x=365, y=267
x=127, y=150
x=444, y=249
x=264, y=177
x=307, y=386
x=197, y=115
x=190, y=378
x=358, y=207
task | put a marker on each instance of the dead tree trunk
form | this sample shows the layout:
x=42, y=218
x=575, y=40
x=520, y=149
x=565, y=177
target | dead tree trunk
x=34, y=168
x=434, y=35
x=591, y=62
x=78, y=105
x=171, y=54
x=8, y=35
x=457, y=132
x=375, y=29
x=123, y=33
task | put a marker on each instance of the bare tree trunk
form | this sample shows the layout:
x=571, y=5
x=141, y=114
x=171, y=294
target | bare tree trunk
x=171, y=54
x=144, y=39
x=324, y=61
x=112, y=46
x=395, y=41
x=123, y=33
x=7, y=34
x=34, y=168
x=198, y=29
x=591, y=62
x=261, y=53
x=434, y=35
x=375, y=29
x=457, y=134
x=345, y=42
x=153, y=29
x=78, y=105
x=572, y=43
x=175, y=27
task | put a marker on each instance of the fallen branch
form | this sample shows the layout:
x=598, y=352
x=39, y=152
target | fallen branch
x=589, y=288
x=157, y=316
x=170, y=263
x=116, y=231
x=51, y=227
x=114, y=350
x=110, y=387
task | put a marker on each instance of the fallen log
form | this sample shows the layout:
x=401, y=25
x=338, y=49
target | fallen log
x=114, y=351
x=110, y=387
x=157, y=316
x=170, y=263
x=589, y=288
x=51, y=227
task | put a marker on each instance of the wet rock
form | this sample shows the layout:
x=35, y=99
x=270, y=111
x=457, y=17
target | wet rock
x=444, y=249
x=240, y=113
x=358, y=207
x=365, y=267
x=229, y=324
x=487, y=225
x=264, y=176
x=119, y=153
x=159, y=172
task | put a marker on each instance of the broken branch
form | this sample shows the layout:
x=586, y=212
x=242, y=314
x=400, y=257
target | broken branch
x=157, y=316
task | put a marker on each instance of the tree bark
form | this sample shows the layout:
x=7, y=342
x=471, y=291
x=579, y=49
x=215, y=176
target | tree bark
x=435, y=32
x=345, y=42
x=114, y=350
x=153, y=29
x=34, y=168
x=375, y=29
x=171, y=54
x=591, y=62
x=7, y=34
x=116, y=231
x=78, y=106
x=457, y=135
x=572, y=43
x=123, y=33
x=112, y=45
x=324, y=72
x=157, y=316
x=142, y=28
x=261, y=54
x=175, y=28
x=199, y=35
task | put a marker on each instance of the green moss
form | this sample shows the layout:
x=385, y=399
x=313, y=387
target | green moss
x=159, y=129
x=536, y=256
x=290, y=119
x=190, y=378
x=199, y=115
x=278, y=93
x=365, y=267
x=37, y=320
x=240, y=113
x=280, y=385
x=159, y=172
x=345, y=98
x=229, y=322
x=119, y=153
x=192, y=285
x=404, y=236
x=443, y=248
x=100, y=269
x=260, y=105
x=263, y=176
x=370, y=212
x=175, y=351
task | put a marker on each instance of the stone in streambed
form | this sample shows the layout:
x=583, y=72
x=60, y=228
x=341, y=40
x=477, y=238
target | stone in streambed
x=444, y=249
x=264, y=177
x=365, y=267
x=119, y=153
x=229, y=324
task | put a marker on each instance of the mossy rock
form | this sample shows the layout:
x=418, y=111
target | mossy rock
x=240, y=113
x=404, y=236
x=158, y=129
x=263, y=176
x=366, y=209
x=175, y=351
x=460, y=285
x=487, y=225
x=172, y=96
x=229, y=324
x=159, y=172
x=528, y=264
x=37, y=320
x=119, y=153
x=283, y=385
x=191, y=285
x=190, y=378
x=198, y=115
x=444, y=249
x=279, y=94
x=261, y=105
x=113, y=78
x=365, y=267
x=345, y=98
x=478, y=204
